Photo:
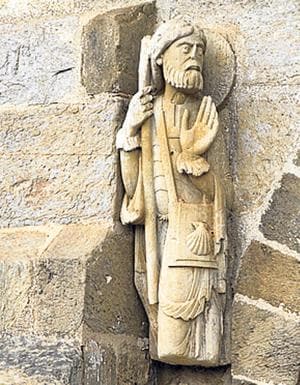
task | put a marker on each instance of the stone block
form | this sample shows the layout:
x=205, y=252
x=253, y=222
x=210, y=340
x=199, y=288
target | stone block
x=281, y=221
x=42, y=291
x=35, y=9
x=23, y=243
x=119, y=361
x=69, y=286
x=265, y=137
x=78, y=275
x=265, y=345
x=32, y=360
x=58, y=189
x=236, y=381
x=18, y=248
x=57, y=296
x=39, y=62
x=15, y=289
x=268, y=274
x=176, y=375
x=109, y=286
x=17, y=377
x=111, y=44
x=99, y=364
x=59, y=163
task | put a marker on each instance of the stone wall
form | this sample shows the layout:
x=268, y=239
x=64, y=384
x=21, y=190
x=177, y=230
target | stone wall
x=69, y=311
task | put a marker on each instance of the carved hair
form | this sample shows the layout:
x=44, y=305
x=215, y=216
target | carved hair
x=164, y=36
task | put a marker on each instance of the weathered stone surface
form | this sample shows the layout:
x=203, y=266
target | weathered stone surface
x=100, y=364
x=265, y=345
x=56, y=362
x=281, y=221
x=38, y=294
x=297, y=159
x=17, y=377
x=61, y=189
x=109, y=285
x=261, y=132
x=268, y=274
x=43, y=291
x=77, y=241
x=13, y=12
x=84, y=276
x=257, y=30
x=266, y=134
x=111, y=44
x=18, y=248
x=115, y=361
x=236, y=381
x=175, y=375
x=58, y=295
x=23, y=242
x=59, y=163
x=39, y=63
x=76, y=278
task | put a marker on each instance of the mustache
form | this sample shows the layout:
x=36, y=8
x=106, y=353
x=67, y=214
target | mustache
x=192, y=64
x=194, y=67
x=189, y=78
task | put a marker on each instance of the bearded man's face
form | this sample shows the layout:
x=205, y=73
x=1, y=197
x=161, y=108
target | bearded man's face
x=182, y=63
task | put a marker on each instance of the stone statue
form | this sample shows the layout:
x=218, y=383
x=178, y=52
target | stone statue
x=174, y=199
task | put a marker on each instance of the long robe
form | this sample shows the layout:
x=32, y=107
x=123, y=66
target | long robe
x=187, y=325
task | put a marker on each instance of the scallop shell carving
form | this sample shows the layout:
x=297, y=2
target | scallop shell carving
x=198, y=242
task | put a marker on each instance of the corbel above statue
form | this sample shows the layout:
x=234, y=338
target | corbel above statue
x=172, y=195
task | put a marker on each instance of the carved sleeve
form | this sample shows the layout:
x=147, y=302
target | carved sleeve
x=132, y=210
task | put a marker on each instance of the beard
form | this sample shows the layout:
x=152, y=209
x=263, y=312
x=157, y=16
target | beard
x=191, y=80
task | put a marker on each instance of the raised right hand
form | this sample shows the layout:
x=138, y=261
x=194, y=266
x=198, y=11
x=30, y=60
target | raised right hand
x=140, y=109
x=199, y=138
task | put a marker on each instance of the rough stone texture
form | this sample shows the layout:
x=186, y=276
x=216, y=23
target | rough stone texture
x=17, y=377
x=45, y=299
x=259, y=31
x=39, y=294
x=267, y=131
x=268, y=274
x=108, y=362
x=47, y=361
x=281, y=221
x=297, y=159
x=176, y=375
x=109, y=284
x=59, y=163
x=65, y=284
x=39, y=62
x=9, y=12
x=57, y=166
x=265, y=345
x=236, y=381
x=24, y=242
x=111, y=44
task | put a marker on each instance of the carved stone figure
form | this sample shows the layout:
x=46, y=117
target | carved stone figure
x=174, y=199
